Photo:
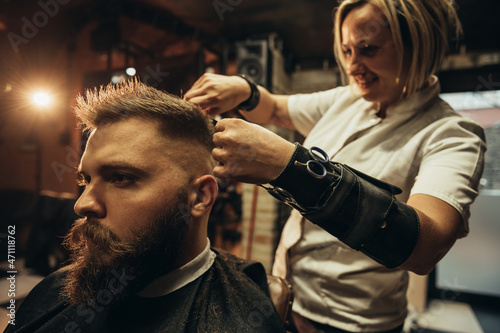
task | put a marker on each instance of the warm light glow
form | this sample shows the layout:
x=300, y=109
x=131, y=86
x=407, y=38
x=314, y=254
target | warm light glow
x=41, y=98
x=130, y=71
x=117, y=78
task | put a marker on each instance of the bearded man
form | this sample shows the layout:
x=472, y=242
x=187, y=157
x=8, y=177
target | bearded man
x=141, y=259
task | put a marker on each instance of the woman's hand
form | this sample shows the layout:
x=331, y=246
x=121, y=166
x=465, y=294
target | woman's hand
x=216, y=93
x=248, y=152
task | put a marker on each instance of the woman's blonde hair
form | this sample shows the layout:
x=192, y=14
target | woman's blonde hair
x=420, y=29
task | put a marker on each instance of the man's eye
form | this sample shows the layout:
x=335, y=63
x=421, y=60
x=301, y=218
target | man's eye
x=123, y=179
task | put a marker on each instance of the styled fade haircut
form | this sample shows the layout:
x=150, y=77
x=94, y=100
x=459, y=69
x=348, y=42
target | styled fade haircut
x=420, y=29
x=177, y=118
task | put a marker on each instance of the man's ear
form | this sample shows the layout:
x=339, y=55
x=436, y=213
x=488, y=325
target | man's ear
x=205, y=188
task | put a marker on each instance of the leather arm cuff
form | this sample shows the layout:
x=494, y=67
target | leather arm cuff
x=360, y=210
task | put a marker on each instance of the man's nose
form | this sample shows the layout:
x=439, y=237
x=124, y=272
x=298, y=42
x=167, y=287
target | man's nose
x=90, y=203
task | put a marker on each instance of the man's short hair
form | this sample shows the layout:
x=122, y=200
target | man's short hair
x=177, y=118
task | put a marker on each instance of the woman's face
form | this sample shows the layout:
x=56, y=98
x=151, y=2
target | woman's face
x=371, y=59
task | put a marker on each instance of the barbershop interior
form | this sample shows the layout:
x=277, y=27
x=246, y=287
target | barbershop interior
x=52, y=51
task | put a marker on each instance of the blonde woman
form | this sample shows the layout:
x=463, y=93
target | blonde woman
x=352, y=237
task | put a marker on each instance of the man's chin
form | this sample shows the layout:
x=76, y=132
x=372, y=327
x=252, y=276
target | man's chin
x=92, y=285
x=88, y=274
x=97, y=257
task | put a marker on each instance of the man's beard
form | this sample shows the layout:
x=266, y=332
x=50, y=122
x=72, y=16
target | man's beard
x=106, y=269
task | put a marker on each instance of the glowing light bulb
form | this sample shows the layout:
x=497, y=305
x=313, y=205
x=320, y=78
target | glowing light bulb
x=130, y=71
x=41, y=98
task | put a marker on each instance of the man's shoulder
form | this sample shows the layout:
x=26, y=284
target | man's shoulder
x=232, y=294
x=252, y=270
x=235, y=262
x=50, y=285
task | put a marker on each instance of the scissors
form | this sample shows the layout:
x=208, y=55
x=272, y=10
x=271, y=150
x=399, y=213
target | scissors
x=316, y=166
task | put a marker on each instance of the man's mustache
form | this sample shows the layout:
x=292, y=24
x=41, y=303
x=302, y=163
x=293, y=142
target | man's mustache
x=101, y=237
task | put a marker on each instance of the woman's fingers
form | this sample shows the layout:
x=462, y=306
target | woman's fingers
x=249, y=153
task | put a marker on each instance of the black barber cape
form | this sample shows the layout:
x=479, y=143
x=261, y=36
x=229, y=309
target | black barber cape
x=232, y=296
